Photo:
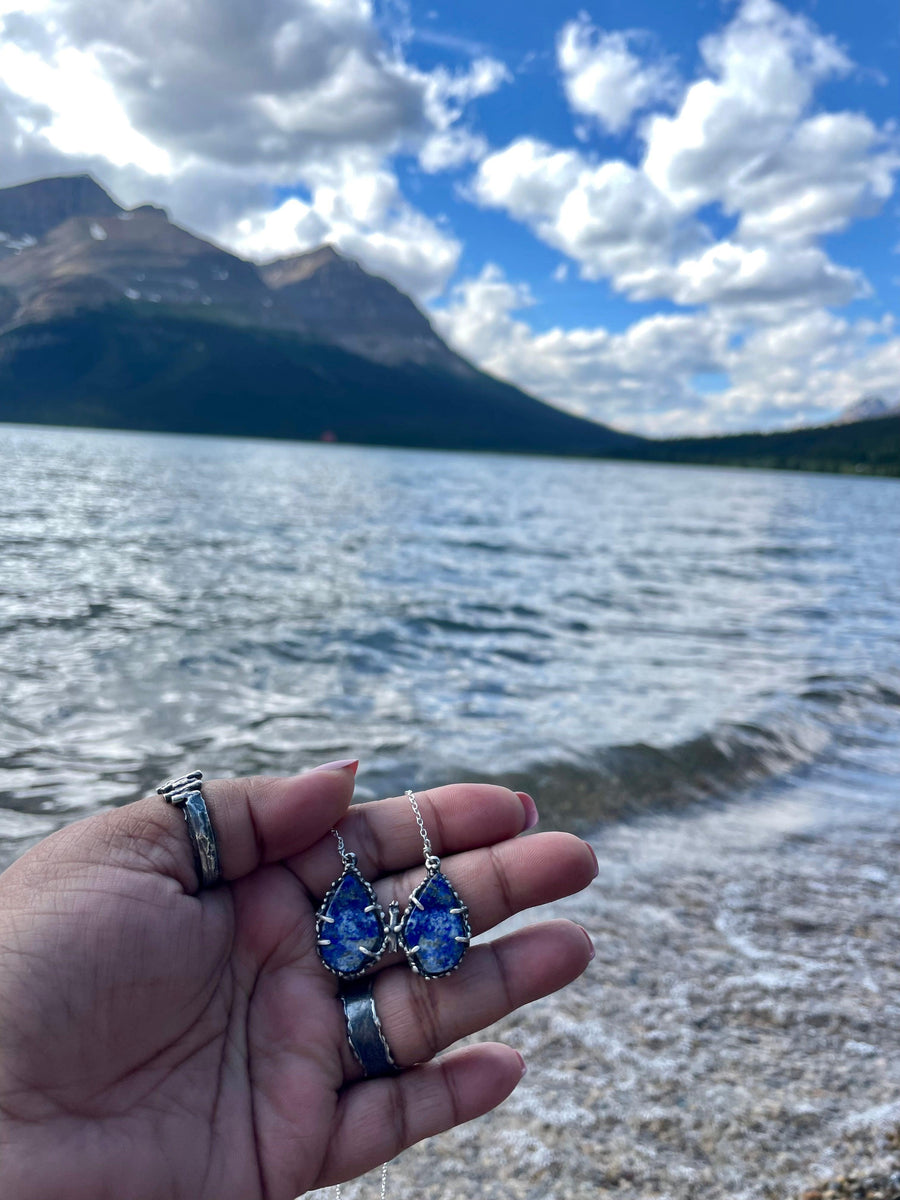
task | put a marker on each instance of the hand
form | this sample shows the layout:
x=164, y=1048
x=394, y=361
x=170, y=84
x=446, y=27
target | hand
x=162, y=1043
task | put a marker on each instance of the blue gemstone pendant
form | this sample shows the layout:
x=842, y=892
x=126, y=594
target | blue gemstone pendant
x=350, y=924
x=434, y=930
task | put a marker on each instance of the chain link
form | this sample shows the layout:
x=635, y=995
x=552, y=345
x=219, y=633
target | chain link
x=426, y=841
x=342, y=849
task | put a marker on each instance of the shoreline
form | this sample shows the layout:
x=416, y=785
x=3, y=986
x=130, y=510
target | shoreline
x=737, y=1034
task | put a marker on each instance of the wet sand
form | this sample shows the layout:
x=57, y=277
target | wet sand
x=737, y=1035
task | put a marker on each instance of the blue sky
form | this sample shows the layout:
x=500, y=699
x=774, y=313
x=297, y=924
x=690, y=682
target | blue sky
x=671, y=218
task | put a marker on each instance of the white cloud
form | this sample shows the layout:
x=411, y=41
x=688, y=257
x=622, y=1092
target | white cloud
x=453, y=148
x=646, y=378
x=207, y=107
x=609, y=217
x=636, y=380
x=739, y=137
x=742, y=138
x=604, y=79
x=834, y=168
x=764, y=280
x=446, y=95
x=366, y=215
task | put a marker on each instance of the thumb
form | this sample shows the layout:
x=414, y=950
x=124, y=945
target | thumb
x=256, y=820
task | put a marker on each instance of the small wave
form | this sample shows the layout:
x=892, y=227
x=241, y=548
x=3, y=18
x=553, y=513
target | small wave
x=620, y=781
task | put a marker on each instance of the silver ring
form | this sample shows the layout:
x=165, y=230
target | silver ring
x=364, y=1032
x=185, y=793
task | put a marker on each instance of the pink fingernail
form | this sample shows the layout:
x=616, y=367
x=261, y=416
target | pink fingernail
x=590, y=941
x=339, y=764
x=531, y=812
x=523, y=1064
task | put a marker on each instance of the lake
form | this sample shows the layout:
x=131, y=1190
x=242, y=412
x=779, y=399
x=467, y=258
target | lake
x=604, y=635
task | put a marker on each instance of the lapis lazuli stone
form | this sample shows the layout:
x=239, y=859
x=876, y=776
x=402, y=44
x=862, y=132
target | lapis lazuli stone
x=351, y=930
x=430, y=933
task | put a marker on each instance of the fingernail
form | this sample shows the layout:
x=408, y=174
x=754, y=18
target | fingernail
x=531, y=812
x=523, y=1065
x=594, y=857
x=590, y=941
x=339, y=764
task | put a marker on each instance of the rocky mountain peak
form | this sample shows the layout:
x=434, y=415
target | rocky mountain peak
x=337, y=299
x=30, y=210
x=69, y=247
x=281, y=272
x=867, y=408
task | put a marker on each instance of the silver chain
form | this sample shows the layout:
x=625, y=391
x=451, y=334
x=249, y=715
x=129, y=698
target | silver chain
x=342, y=849
x=432, y=862
x=337, y=1190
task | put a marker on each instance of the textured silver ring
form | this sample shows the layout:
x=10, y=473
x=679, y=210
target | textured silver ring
x=364, y=1032
x=185, y=793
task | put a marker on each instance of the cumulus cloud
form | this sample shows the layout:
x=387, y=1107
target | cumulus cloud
x=364, y=213
x=207, y=107
x=650, y=377
x=446, y=95
x=625, y=379
x=609, y=217
x=743, y=139
x=762, y=281
x=605, y=79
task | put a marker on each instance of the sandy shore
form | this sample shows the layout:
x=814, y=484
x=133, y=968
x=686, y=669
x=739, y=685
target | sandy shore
x=738, y=1034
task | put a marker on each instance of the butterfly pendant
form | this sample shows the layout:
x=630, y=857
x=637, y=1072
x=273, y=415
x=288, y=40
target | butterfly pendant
x=353, y=930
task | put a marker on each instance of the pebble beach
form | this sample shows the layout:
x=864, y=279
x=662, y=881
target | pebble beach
x=736, y=1036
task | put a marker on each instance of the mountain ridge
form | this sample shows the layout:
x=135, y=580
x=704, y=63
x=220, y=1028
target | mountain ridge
x=120, y=317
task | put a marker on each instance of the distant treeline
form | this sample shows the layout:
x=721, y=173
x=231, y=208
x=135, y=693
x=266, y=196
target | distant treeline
x=861, y=447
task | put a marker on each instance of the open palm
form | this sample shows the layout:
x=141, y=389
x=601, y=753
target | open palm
x=161, y=1043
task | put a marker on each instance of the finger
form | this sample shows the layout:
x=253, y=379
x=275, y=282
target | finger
x=385, y=837
x=256, y=820
x=420, y=1019
x=497, y=881
x=378, y=1118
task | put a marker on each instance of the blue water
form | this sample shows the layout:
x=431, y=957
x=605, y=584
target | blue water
x=607, y=635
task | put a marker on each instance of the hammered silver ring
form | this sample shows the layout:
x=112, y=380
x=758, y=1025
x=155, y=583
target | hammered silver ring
x=364, y=1032
x=185, y=793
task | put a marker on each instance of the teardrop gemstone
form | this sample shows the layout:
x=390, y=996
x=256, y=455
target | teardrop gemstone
x=347, y=929
x=435, y=931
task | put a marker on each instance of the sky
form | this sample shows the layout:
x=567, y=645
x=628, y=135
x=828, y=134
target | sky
x=672, y=218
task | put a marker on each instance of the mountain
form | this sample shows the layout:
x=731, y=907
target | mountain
x=867, y=408
x=119, y=318
x=30, y=210
x=334, y=299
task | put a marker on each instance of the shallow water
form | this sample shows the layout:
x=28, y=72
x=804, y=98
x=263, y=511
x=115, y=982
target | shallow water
x=604, y=634
x=737, y=1035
